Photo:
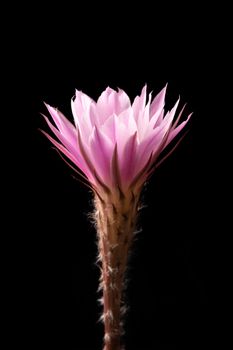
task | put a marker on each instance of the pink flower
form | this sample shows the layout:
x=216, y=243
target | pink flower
x=114, y=143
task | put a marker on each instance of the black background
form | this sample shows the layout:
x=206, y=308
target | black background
x=172, y=275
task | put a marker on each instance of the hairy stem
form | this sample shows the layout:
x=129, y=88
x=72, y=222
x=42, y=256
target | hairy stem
x=115, y=219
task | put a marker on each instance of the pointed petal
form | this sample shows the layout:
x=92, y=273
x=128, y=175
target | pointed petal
x=101, y=150
x=136, y=107
x=69, y=155
x=145, y=149
x=143, y=120
x=106, y=104
x=176, y=131
x=83, y=122
x=69, y=144
x=80, y=103
x=66, y=128
x=166, y=123
x=123, y=101
x=127, y=163
x=143, y=97
x=139, y=103
x=158, y=103
x=151, y=144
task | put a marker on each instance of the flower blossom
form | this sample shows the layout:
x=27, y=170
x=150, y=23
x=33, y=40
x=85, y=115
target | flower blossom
x=115, y=143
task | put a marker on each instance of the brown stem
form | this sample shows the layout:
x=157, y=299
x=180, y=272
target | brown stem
x=115, y=219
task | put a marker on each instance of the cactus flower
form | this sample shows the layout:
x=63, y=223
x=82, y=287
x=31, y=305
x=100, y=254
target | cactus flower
x=115, y=145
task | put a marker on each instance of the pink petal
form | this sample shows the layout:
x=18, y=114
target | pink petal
x=69, y=144
x=156, y=120
x=143, y=120
x=168, y=119
x=132, y=126
x=109, y=128
x=176, y=131
x=106, y=104
x=158, y=103
x=82, y=117
x=66, y=128
x=163, y=127
x=123, y=101
x=70, y=156
x=126, y=118
x=127, y=162
x=139, y=103
x=122, y=136
x=151, y=143
x=100, y=152
x=80, y=103
x=143, y=97
x=136, y=107
x=146, y=147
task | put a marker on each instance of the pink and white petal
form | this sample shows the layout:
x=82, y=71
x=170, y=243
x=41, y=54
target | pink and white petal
x=166, y=123
x=146, y=147
x=131, y=122
x=104, y=108
x=126, y=163
x=109, y=128
x=139, y=104
x=160, y=131
x=143, y=97
x=123, y=101
x=86, y=100
x=122, y=136
x=83, y=122
x=94, y=117
x=143, y=120
x=63, y=124
x=176, y=131
x=77, y=107
x=100, y=153
x=78, y=162
x=154, y=138
x=158, y=103
x=72, y=147
x=73, y=150
x=79, y=104
x=77, y=110
x=135, y=108
x=157, y=119
x=113, y=102
x=172, y=113
x=124, y=116
x=118, y=102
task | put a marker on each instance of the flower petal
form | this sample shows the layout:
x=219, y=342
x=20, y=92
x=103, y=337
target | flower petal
x=177, y=130
x=81, y=115
x=68, y=143
x=100, y=152
x=70, y=156
x=80, y=103
x=139, y=103
x=106, y=104
x=158, y=103
x=128, y=161
x=66, y=128
x=123, y=101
